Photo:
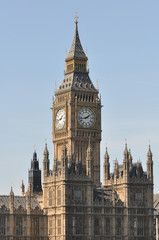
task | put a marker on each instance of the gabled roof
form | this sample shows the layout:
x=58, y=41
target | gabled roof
x=76, y=50
x=18, y=202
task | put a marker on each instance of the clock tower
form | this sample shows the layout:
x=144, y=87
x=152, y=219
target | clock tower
x=77, y=111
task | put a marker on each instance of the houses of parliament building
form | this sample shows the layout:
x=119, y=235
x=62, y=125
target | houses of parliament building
x=72, y=204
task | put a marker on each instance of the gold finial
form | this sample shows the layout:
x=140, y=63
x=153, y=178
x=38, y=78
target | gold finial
x=34, y=146
x=97, y=84
x=76, y=17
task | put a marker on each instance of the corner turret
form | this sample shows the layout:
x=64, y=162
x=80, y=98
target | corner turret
x=106, y=166
x=89, y=160
x=126, y=164
x=149, y=165
x=46, y=162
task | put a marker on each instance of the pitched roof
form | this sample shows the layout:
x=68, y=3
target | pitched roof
x=76, y=50
x=76, y=81
x=18, y=202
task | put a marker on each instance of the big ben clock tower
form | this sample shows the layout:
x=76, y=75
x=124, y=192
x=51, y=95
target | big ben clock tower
x=77, y=111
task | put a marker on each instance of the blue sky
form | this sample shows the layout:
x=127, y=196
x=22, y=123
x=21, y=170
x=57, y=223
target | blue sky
x=121, y=38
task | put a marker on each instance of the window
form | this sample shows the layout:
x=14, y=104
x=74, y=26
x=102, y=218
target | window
x=135, y=227
x=58, y=197
x=77, y=194
x=138, y=227
x=96, y=226
x=119, y=226
x=2, y=226
x=138, y=198
x=35, y=226
x=77, y=225
x=19, y=226
x=50, y=227
x=107, y=226
x=59, y=226
x=50, y=198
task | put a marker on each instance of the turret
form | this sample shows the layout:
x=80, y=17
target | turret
x=46, y=162
x=70, y=158
x=130, y=159
x=22, y=188
x=28, y=198
x=106, y=167
x=89, y=160
x=64, y=159
x=11, y=201
x=149, y=165
x=126, y=164
x=35, y=174
x=116, y=169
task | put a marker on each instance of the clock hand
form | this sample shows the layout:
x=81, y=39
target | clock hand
x=86, y=117
x=60, y=118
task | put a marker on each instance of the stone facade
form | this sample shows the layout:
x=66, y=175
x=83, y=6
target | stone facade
x=75, y=205
x=22, y=218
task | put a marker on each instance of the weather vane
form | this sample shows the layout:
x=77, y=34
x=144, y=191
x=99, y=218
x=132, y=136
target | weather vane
x=76, y=17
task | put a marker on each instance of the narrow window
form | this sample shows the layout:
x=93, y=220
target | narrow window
x=77, y=194
x=140, y=227
x=19, y=226
x=59, y=226
x=107, y=226
x=50, y=227
x=50, y=198
x=35, y=226
x=2, y=226
x=58, y=197
x=119, y=226
x=96, y=226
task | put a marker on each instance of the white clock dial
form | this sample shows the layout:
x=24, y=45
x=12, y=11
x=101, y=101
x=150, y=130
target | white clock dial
x=60, y=118
x=86, y=117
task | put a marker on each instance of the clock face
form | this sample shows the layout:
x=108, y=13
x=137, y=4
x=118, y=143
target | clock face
x=86, y=117
x=60, y=119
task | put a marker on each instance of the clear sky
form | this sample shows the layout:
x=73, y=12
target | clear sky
x=122, y=42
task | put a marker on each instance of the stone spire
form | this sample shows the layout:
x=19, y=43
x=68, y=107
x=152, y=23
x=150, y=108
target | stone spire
x=89, y=160
x=46, y=162
x=116, y=169
x=64, y=160
x=126, y=164
x=22, y=188
x=11, y=201
x=130, y=159
x=106, y=166
x=149, y=165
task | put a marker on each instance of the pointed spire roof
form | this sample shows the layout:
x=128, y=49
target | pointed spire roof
x=106, y=155
x=76, y=50
x=34, y=156
x=46, y=152
x=149, y=154
x=126, y=153
x=11, y=191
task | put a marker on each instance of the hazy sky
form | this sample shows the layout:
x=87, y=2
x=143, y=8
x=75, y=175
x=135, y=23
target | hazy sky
x=122, y=42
